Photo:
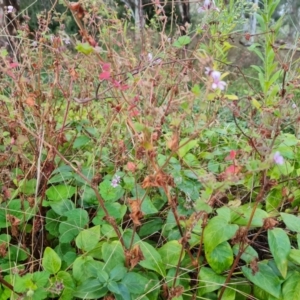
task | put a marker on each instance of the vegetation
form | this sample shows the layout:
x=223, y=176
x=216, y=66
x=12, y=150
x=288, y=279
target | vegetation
x=149, y=166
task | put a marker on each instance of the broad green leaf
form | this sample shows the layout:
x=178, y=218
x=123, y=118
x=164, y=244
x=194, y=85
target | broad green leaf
x=91, y=289
x=291, y=287
x=182, y=41
x=125, y=294
x=185, y=146
x=265, y=279
x=66, y=279
x=153, y=260
x=88, y=238
x=60, y=192
x=136, y=283
x=110, y=193
x=113, y=287
x=216, y=232
x=291, y=222
x=209, y=281
x=84, y=48
x=86, y=267
x=28, y=187
x=53, y=221
x=61, y=177
x=62, y=207
x=81, y=141
x=171, y=253
x=294, y=256
x=151, y=226
x=241, y=216
x=77, y=219
x=285, y=169
x=113, y=254
x=248, y=255
x=221, y=258
x=280, y=247
x=118, y=273
x=229, y=293
x=51, y=262
x=114, y=209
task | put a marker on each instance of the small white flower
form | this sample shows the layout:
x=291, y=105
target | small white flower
x=10, y=9
x=294, y=106
x=150, y=56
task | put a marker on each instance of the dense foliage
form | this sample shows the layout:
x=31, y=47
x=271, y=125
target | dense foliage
x=146, y=165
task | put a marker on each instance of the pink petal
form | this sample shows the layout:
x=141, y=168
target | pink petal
x=104, y=75
x=215, y=75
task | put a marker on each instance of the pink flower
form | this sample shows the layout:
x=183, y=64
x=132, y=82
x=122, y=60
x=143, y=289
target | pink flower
x=10, y=9
x=216, y=76
x=278, y=158
x=207, y=5
x=115, y=181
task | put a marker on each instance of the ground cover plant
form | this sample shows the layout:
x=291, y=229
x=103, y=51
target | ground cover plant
x=149, y=166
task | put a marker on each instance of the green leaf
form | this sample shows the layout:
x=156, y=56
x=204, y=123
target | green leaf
x=280, y=247
x=265, y=279
x=182, y=41
x=291, y=287
x=110, y=193
x=51, y=261
x=76, y=220
x=114, y=209
x=171, y=253
x=216, y=232
x=81, y=141
x=185, y=146
x=125, y=295
x=91, y=289
x=53, y=221
x=113, y=287
x=209, y=281
x=221, y=258
x=62, y=207
x=135, y=283
x=60, y=192
x=294, y=256
x=248, y=255
x=113, y=254
x=241, y=216
x=151, y=226
x=291, y=222
x=88, y=239
x=153, y=260
x=65, y=278
x=231, y=97
x=85, y=267
x=117, y=273
x=84, y=48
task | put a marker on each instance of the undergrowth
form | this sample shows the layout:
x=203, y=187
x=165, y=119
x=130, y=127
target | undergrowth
x=151, y=168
